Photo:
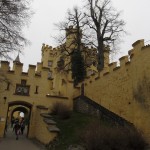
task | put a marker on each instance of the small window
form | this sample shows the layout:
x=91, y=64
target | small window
x=8, y=85
x=50, y=63
x=36, y=89
x=52, y=86
x=49, y=74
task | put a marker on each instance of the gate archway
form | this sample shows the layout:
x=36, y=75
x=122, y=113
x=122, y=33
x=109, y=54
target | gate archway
x=20, y=106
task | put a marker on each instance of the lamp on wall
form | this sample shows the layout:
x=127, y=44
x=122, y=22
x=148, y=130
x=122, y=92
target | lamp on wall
x=5, y=98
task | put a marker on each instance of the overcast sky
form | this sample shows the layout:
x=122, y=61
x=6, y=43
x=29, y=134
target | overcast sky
x=136, y=14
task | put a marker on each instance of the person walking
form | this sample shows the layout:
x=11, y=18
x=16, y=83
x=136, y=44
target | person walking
x=17, y=129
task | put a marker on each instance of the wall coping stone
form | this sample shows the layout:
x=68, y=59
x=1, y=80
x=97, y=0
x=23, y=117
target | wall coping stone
x=42, y=107
x=49, y=121
x=53, y=129
x=56, y=96
x=46, y=115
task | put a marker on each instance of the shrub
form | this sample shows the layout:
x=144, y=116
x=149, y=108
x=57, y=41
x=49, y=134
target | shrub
x=100, y=137
x=61, y=110
x=55, y=108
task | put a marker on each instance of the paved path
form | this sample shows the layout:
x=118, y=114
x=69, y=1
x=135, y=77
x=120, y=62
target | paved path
x=10, y=142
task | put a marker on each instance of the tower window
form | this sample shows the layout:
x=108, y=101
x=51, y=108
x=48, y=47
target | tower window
x=50, y=63
x=8, y=85
x=36, y=89
x=49, y=74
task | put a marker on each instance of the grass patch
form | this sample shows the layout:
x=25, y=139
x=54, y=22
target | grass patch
x=71, y=129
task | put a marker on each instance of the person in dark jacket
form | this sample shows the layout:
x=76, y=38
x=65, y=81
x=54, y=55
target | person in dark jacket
x=17, y=129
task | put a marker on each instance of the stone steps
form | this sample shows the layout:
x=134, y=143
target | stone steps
x=53, y=129
x=46, y=115
x=48, y=119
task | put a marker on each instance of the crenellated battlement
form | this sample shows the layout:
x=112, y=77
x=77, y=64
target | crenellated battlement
x=145, y=47
x=112, y=66
x=123, y=60
x=41, y=69
x=5, y=65
x=138, y=44
x=17, y=69
x=46, y=47
x=135, y=54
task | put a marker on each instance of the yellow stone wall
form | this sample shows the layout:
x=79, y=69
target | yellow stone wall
x=114, y=87
x=41, y=131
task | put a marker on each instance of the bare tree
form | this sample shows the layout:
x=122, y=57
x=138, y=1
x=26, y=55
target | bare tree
x=71, y=44
x=99, y=26
x=14, y=14
x=106, y=25
x=73, y=19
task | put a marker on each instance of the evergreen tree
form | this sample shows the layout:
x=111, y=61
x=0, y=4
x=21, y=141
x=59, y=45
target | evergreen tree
x=77, y=67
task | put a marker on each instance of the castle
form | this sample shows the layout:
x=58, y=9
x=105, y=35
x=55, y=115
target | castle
x=123, y=90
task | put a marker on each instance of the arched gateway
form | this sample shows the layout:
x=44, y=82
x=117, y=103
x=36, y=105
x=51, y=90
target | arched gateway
x=19, y=107
x=11, y=110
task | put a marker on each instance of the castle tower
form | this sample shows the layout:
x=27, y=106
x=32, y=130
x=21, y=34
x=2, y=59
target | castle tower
x=45, y=55
x=71, y=37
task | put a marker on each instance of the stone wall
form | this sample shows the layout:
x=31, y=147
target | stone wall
x=85, y=105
